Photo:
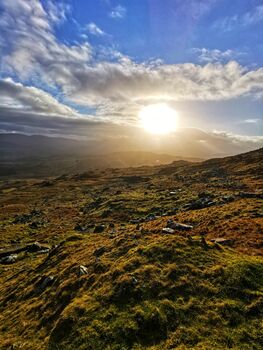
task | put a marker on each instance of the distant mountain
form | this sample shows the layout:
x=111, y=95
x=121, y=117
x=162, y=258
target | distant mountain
x=38, y=156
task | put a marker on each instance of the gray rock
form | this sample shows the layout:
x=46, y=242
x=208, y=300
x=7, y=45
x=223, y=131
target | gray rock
x=46, y=281
x=167, y=230
x=82, y=270
x=150, y=217
x=10, y=259
x=36, y=247
x=178, y=226
x=223, y=241
x=99, y=228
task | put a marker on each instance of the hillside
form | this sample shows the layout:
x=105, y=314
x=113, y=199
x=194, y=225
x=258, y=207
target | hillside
x=163, y=257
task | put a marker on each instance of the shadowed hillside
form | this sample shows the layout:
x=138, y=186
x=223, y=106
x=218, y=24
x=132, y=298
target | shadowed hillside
x=163, y=257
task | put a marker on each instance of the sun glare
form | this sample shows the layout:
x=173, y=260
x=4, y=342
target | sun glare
x=158, y=118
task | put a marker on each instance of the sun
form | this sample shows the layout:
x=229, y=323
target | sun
x=158, y=118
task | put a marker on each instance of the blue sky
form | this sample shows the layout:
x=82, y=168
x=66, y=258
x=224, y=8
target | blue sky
x=101, y=61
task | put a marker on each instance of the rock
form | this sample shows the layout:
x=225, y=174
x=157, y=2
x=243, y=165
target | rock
x=199, y=204
x=178, y=226
x=99, y=228
x=46, y=281
x=167, y=230
x=82, y=270
x=150, y=217
x=80, y=228
x=36, y=247
x=10, y=259
x=223, y=241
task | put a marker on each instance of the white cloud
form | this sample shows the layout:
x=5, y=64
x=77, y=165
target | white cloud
x=206, y=55
x=251, y=121
x=118, y=12
x=240, y=138
x=94, y=29
x=57, y=11
x=32, y=47
x=31, y=99
x=252, y=17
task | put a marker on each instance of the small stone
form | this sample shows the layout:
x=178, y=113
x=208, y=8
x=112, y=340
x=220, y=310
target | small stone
x=82, y=270
x=222, y=241
x=167, y=230
x=178, y=226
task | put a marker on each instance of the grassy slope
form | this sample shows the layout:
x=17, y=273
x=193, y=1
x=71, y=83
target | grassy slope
x=143, y=289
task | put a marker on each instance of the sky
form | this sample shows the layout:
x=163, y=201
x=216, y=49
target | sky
x=84, y=69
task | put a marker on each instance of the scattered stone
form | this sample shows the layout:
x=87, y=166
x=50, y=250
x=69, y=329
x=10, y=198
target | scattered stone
x=167, y=230
x=173, y=192
x=178, y=226
x=10, y=259
x=82, y=270
x=150, y=217
x=99, y=228
x=222, y=241
x=134, y=280
x=36, y=247
x=199, y=204
x=46, y=281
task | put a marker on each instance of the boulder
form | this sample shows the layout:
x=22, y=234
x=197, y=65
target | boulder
x=10, y=259
x=36, y=247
